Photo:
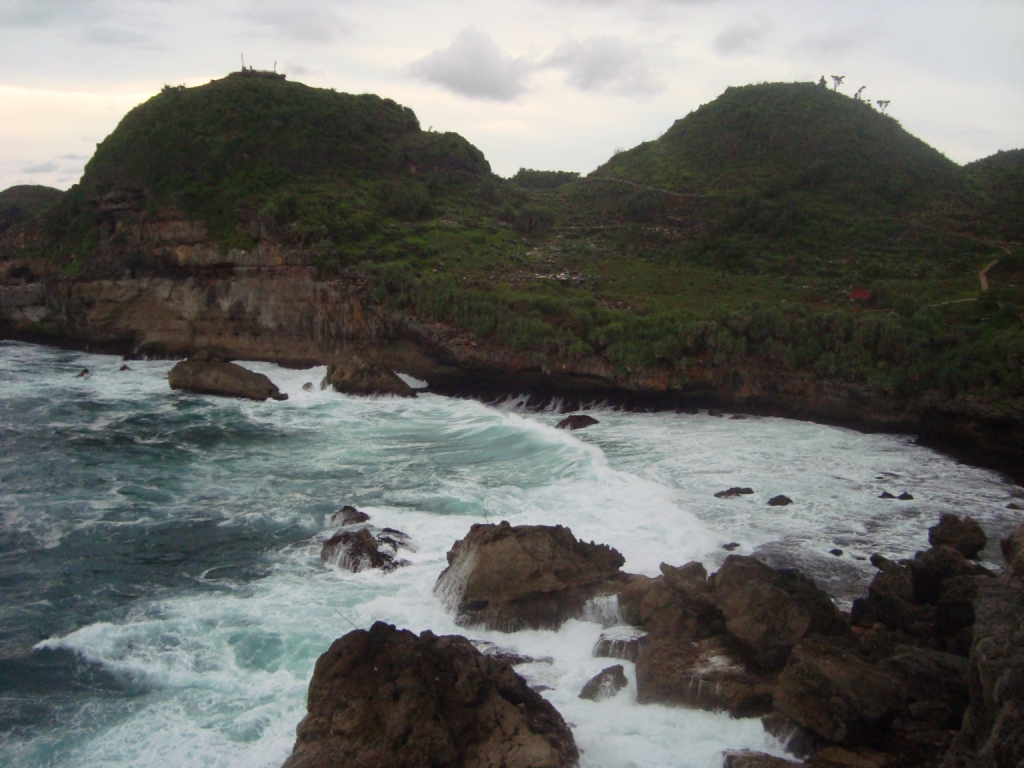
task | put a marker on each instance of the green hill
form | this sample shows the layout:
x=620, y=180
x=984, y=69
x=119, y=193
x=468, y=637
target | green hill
x=22, y=202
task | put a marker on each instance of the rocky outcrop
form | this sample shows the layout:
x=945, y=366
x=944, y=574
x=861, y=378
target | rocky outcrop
x=349, y=515
x=387, y=697
x=577, y=421
x=531, y=576
x=605, y=684
x=359, y=550
x=360, y=373
x=1013, y=551
x=223, y=379
x=779, y=501
x=732, y=493
x=965, y=536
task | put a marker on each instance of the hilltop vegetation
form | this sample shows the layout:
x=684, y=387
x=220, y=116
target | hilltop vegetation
x=20, y=203
x=736, y=236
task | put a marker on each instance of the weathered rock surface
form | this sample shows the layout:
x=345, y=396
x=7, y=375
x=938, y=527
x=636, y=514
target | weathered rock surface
x=965, y=536
x=709, y=674
x=359, y=550
x=349, y=515
x=531, y=576
x=744, y=758
x=605, y=684
x=360, y=373
x=386, y=697
x=680, y=603
x=1013, y=551
x=223, y=379
x=577, y=421
x=622, y=642
x=769, y=611
x=779, y=501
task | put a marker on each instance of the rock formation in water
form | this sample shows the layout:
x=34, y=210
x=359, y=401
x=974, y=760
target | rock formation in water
x=387, y=697
x=359, y=373
x=359, y=550
x=214, y=377
x=528, y=576
x=577, y=421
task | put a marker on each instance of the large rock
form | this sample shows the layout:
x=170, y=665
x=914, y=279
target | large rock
x=708, y=675
x=769, y=611
x=605, y=684
x=965, y=536
x=577, y=421
x=680, y=603
x=529, y=576
x=931, y=568
x=1013, y=551
x=360, y=373
x=745, y=758
x=360, y=550
x=837, y=694
x=385, y=697
x=223, y=379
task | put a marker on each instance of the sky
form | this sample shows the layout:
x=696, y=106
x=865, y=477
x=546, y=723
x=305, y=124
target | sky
x=546, y=84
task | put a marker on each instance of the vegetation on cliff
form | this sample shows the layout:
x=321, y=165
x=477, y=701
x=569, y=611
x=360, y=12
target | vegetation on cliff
x=20, y=203
x=736, y=236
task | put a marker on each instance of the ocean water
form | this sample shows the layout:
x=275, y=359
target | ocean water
x=162, y=598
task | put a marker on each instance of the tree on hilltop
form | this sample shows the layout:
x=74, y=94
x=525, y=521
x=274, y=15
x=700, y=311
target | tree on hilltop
x=882, y=104
x=837, y=80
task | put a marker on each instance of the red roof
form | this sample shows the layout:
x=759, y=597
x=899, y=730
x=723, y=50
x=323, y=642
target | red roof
x=860, y=294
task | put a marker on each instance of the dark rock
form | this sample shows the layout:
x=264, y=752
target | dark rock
x=886, y=495
x=385, y=697
x=745, y=758
x=619, y=643
x=223, y=380
x=530, y=576
x=837, y=552
x=680, y=603
x=349, y=515
x=358, y=550
x=605, y=684
x=360, y=373
x=954, y=610
x=837, y=757
x=715, y=413
x=796, y=739
x=934, y=686
x=733, y=492
x=992, y=734
x=732, y=546
x=577, y=421
x=965, y=536
x=779, y=501
x=307, y=387
x=708, y=675
x=1014, y=505
x=837, y=694
x=688, y=411
x=510, y=657
x=124, y=368
x=769, y=611
x=930, y=568
x=1013, y=551
x=83, y=374
x=905, y=497
x=737, y=417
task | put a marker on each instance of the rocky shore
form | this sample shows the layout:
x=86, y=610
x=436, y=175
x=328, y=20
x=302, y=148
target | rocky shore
x=168, y=290
x=926, y=670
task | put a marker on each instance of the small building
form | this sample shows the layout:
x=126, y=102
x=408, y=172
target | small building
x=859, y=294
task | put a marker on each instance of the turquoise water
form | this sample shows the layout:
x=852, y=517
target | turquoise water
x=162, y=599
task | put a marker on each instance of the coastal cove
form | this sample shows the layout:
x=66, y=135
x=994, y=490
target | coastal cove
x=160, y=551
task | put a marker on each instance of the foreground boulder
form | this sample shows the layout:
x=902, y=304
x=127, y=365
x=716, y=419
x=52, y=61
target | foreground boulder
x=360, y=373
x=508, y=577
x=387, y=697
x=965, y=536
x=605, y=684
x=208, y=377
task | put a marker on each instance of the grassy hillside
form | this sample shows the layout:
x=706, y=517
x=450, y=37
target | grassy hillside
x=735, y=236
x=22, y=202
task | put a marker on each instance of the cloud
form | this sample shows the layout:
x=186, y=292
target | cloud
x=311, y=22
x=48, y=167
x=47, y=13
x=474, y=66
x=605, y=63
x=74, y=157
x=744, y=37
x=113, y=36
x=838, y=42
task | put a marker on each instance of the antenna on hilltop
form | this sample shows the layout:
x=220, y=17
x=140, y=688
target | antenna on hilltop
x=243, y=62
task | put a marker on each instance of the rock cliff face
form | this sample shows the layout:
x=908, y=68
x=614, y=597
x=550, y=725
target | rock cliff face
x=160, y=286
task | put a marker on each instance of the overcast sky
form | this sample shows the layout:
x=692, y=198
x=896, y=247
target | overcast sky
x=550, y=84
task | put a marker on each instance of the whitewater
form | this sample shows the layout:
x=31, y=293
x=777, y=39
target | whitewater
x=163, y=600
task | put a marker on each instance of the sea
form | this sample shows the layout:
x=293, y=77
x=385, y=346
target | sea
x=163, y=599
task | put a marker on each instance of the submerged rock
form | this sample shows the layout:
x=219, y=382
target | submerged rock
x=528, y=576
x=733, y=492
x=360, y=373
x=779, y=501
x=619, y=643
x=359, y=550
x=577, y=421
x=965, y=536
x=222, y=379
x=605, y=684
x=387, y=697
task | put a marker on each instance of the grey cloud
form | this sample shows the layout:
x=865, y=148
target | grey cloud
x=48, y=167
x=837, y=42
x=74, y=157
x=313, y=22
x=605, y=63
x=46, y=13
x=474, y=66
x=743, y=37
x=117, y=37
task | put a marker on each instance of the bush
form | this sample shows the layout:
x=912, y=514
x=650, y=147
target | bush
x=533, y=220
